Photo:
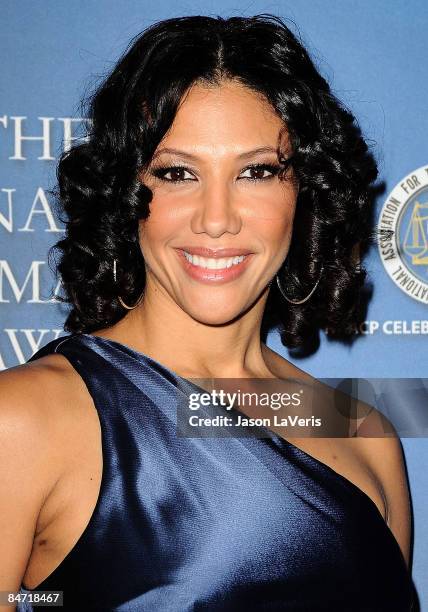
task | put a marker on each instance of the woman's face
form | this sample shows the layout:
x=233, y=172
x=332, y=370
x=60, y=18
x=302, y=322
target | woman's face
x=207, y=194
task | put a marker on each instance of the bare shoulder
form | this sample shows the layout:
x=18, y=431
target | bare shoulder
x=37, y=401
x=380, y=446
x=23, y=386
x=282, y=368
x=39, y=388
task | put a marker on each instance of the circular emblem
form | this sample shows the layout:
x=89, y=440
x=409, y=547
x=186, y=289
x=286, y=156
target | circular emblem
x=403, y=234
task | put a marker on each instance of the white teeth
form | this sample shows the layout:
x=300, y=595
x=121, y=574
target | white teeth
x=213, y=264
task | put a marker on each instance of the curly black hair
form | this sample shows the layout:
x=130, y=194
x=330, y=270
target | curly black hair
x=130, y=112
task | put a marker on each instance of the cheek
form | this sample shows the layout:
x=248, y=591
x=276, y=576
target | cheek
x=269, y=202
x=274, y=233
x=165, y=220
x=274, y=218
x=168, y=213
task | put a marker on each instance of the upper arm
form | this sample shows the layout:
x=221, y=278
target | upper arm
x=28, y=465
x=384, y=454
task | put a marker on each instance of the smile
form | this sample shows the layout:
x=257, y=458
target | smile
x=214, y=264
x=213, y=270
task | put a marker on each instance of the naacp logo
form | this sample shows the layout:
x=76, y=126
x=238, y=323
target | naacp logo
x=403, y=234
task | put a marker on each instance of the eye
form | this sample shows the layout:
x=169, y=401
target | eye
x=177, y=174
x=259, y=172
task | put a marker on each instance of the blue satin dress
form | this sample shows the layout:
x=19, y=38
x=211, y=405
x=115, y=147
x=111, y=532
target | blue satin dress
x=214, y=524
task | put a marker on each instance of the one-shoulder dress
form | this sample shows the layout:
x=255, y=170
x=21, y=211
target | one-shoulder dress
x=215, y=524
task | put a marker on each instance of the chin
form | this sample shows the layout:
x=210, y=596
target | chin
x=211, y=315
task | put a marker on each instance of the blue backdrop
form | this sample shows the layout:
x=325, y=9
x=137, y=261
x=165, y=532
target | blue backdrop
x=373, y=53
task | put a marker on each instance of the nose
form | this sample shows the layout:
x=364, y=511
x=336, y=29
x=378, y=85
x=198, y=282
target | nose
x=216, y=211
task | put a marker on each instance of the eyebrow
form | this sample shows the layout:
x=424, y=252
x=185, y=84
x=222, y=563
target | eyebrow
x=192, y=157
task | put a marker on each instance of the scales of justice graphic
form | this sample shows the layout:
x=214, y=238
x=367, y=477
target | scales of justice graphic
x=415, y=243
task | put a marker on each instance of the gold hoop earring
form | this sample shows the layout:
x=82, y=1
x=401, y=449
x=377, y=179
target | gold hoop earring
x=119, y=298
x=304, y=299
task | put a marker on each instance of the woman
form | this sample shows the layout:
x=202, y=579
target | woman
x=218, y=161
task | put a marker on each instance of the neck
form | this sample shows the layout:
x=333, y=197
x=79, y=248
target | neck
x=162, y=330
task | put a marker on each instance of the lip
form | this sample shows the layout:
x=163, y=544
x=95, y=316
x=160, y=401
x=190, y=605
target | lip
x=206, y=275
x=215, y=253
